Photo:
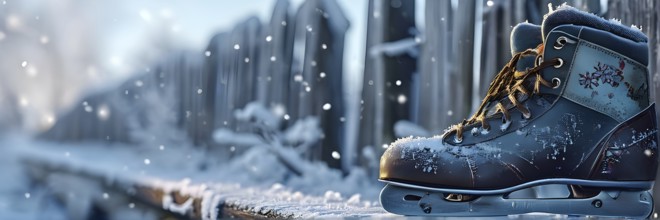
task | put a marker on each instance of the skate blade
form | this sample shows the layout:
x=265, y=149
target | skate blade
x=408, y=201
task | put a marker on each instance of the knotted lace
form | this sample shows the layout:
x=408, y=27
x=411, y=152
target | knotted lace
x=508, y=83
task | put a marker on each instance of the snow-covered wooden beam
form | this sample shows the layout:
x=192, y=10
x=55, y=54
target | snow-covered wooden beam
x=107, y=187
x=178, y=199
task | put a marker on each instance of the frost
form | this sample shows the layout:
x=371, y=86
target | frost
x=332, y=196
x=505, y=125
x=427, y=153
x=354, y=199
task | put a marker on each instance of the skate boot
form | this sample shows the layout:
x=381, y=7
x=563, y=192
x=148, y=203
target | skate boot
x=574, y=134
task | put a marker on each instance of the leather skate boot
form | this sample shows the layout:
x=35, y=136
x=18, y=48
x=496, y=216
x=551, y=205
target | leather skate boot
x=579, y=120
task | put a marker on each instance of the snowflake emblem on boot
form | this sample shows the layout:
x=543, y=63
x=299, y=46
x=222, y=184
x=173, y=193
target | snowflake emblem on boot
x=606, y=74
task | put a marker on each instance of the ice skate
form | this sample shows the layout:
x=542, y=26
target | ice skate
x=575, y=133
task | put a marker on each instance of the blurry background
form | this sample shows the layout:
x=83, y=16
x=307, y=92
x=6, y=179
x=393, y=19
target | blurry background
x=316, y=83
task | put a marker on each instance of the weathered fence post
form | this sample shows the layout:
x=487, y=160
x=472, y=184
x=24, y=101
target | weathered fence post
x=318, y=74
x=390, y=64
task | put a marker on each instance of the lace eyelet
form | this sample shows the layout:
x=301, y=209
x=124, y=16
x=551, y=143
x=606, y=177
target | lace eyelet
x=561, y=63
x=556, y=82
x=561, y=41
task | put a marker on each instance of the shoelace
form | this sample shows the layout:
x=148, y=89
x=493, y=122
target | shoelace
x=507, y=84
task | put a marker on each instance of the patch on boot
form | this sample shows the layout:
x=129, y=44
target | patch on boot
x=607, y=82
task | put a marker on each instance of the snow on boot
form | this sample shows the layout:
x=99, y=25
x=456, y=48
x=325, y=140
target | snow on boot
x=573, y=134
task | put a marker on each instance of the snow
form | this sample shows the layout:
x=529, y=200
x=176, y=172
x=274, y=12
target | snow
x=336, y=155
x=404, y=128
x=405, y=46
x=256, y=181
x=226, y=136
x=270, y=174
x=170, y=205
x=402, y=99
x=18, y=198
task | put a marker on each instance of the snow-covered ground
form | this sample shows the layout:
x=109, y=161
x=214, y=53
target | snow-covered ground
x=254, y=181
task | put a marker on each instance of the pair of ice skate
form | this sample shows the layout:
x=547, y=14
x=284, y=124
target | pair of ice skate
x=566, y=127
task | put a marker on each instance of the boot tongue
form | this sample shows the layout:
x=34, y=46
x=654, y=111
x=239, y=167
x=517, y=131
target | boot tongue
x=565, y=14
x=525, y=36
